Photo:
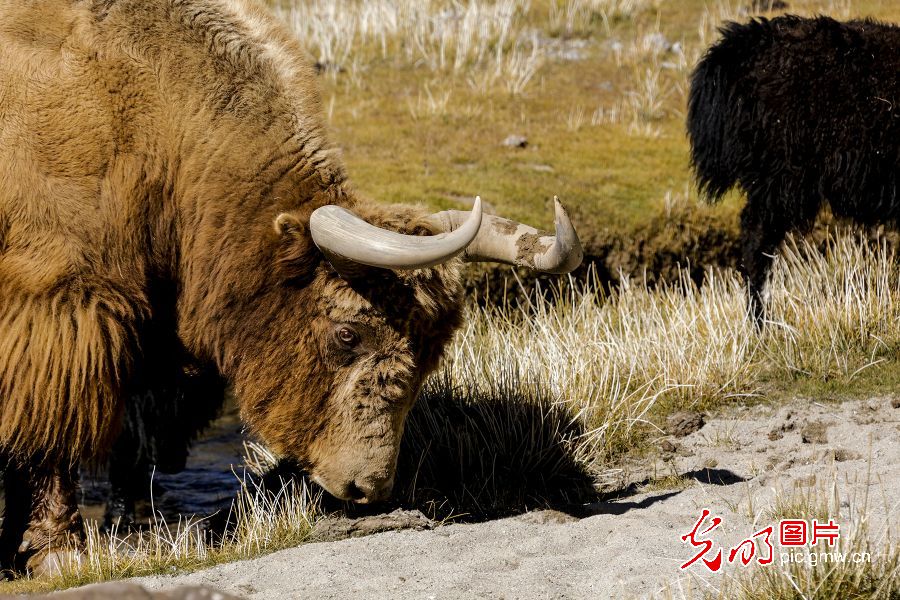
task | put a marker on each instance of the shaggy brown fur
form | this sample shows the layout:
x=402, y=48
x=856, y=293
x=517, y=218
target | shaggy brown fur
x=145, y=151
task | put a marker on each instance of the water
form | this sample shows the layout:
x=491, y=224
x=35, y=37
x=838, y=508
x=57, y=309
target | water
x=207, y=485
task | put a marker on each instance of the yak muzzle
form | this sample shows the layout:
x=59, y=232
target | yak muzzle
x=362, y=490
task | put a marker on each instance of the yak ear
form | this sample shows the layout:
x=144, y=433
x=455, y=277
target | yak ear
x=298, y=256
x=289, y=223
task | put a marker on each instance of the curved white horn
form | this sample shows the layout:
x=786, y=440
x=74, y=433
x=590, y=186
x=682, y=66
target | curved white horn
x=505, y=241
x=344, y=237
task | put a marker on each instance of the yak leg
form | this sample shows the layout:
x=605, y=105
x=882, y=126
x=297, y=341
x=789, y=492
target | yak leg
x=760, y=237
x=17, y=510
x=125, y=477
x=41, y=517
x=770, y=213
x=127, y=470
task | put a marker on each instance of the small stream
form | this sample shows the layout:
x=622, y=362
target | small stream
x=207, y=485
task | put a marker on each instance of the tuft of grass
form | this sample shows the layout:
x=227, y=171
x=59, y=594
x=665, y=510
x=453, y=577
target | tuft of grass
x=534, y=400
x=666, y=483
x=723, y=437
x=876, y=576
x=864, y=563
x=579, y=17
x=835, y=311
x=818, y=499
x=486, y=450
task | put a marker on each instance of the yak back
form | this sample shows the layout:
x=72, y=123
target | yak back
x=792, y=104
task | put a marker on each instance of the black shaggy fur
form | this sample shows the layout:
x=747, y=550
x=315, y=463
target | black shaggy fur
x=798, y=112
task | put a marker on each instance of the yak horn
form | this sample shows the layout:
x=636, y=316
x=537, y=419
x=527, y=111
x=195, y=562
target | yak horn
x=504, y=241
x=345, y=238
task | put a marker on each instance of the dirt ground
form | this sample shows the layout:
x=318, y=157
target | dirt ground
x=737, y=466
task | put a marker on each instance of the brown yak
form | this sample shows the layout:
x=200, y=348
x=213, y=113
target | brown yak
x=168, y=195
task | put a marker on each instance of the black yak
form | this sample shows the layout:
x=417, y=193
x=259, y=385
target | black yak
x=797, y=112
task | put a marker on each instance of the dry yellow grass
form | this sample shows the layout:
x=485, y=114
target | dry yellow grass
x=611, y=358
x=261, y=522
x=863, y=564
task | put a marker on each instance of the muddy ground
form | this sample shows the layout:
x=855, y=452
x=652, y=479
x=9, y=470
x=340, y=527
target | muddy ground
x=735, y=465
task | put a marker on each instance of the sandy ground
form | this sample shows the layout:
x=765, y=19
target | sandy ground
x=734, y=465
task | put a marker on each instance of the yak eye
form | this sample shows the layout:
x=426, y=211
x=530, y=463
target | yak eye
x=347, y=336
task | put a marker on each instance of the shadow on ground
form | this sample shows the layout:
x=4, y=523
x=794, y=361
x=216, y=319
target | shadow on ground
x=469, y=456
x=617, y=503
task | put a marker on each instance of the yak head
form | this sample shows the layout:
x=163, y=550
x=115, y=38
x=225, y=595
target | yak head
x=374, y=297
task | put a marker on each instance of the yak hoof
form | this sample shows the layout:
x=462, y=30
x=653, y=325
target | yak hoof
x=43, y=555
x=52, y=562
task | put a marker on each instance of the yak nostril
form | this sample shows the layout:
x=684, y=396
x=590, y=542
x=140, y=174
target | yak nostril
x=354, y=493
x=371, y=493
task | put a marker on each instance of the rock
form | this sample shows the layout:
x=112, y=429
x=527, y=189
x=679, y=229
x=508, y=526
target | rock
x=895, y=402
x=515, y=141
x=684, y=423
x=657, y=41
x=814, y=432
x=683, y=451
x=867, y=413
x=808, y=481
x=120, y=590
x=789, y=424
x=668, y=446
x=842, y=455
x=338, y=528
x=564, y=49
